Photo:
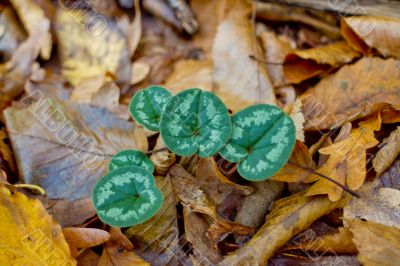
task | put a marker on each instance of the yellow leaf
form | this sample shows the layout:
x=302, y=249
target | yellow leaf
x=351, y=91
x=90, y=46
x=304, y=64
x=365, y=33
x=29, y=236
x=347, y=160
x=288, y=217
x=378, y=245
x=388, y=153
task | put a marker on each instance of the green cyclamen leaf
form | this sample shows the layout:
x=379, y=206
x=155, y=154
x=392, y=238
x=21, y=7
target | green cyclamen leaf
x=130, y=158
x=147, y=105
x=195, y=121
x=262, y=139
x=126, y=196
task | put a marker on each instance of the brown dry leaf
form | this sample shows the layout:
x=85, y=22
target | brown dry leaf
x=276, y=47
x=88, y=258
x=65, y=147
x=254, y=207
x=190, y=73
x=117, y=252
x=15, y=72
x=90, y=48
x=377, y=244
x=215, y=185
x=346, y=93
x=298, y=118
x=379, y=205
x=28, y=233
x=30, y=13
x=339, y=242
x=365, y=33
x=12, y=33
x=140, y=71
x=85, y=237
x=163, y=159
x=190, y=195
x=304, y=64
x=388, y=153
x=299, y=167
x=318, y=260
x=288, y=217
x=6, y=154
x=241, y=80
x=156, y=240
x=196, y=227
x=391, y=177
x=347, y=160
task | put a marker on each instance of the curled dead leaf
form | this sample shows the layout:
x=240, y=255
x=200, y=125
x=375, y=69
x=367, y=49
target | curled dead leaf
x=388, y=153
x=162, y=159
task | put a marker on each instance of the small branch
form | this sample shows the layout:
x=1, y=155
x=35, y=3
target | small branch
x=156, y=150
x=344, y=187
x=264, y=62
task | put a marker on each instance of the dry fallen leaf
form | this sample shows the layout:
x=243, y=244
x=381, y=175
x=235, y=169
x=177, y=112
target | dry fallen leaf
x=29, y=236
x=30, y=13
x=162, y=159
x=65, y=147
x=85, y=237
x=12, y=33
x=241, y=80
x=377, y=244
x=339, y=242
x=90, y=48
x=298, y=118
x=347, y=92
x=391, y=177
x=365, y=33
x=156, y=240
x=347, y=160
x=304, y=64
x=190, y=73
x=299, y=167
x=288, y=217
x=388, y=153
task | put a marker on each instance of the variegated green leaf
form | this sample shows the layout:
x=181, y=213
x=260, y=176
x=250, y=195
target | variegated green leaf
x=147, y=105
x=126, y=196
x=131, y=158
x=262, y=139
x=195, y=121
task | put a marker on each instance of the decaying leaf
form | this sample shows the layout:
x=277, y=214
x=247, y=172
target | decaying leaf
x=391, y=177
x=90, y=47
x=190, y=73
x=347, y=160
x=388, y=153
x=30, y=13
x=140, y=71
x=162, y=159
x=241, y=80
x=85, y=237
x=377, y=244
x=117, y=251
x=12, y=33
x=339, y=242
x=65, y=148
x=298, y=118
x=156, y=240
x=349, y=92
x=288, y=217
x=365, y=33
x=304, y=64
x=191, y=196
x=28, y=234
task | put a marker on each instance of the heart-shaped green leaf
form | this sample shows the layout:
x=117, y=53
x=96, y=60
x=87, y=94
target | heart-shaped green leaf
x=262, y=139
x=126, y=196
x=195, y=121
x=147, y=105
x=130, y=158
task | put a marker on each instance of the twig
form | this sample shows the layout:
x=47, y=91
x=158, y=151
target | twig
x=344, y=187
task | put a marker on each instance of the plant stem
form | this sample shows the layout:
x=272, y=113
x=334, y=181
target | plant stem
x=156, y=150
x=344, y=187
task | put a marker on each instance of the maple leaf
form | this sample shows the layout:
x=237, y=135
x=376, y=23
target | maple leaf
x=347, y=160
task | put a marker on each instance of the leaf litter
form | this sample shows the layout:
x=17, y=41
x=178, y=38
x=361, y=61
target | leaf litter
x=69, y=70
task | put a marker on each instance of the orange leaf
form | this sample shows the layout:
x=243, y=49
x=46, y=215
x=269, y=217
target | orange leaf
x=304, y=64
x=367, y=33
x=347, y=160
x=85, y=237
